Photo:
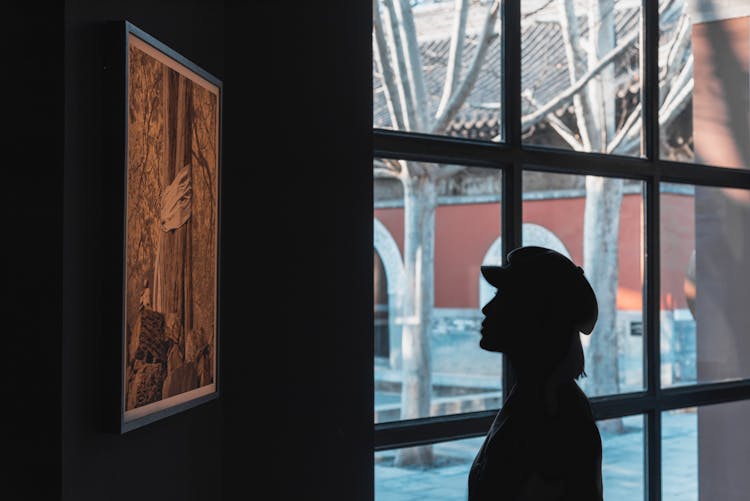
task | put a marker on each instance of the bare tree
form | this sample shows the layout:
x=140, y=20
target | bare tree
x=398, y=58
x=595, y=119
x=399, y=64
x=595, y=116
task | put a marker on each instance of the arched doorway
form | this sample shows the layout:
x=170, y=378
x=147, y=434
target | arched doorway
x=380, y=294
x=390, y=279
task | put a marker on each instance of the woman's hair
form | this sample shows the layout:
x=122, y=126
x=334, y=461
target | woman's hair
x=572, y=364
x=560, y=352
x=564, y=338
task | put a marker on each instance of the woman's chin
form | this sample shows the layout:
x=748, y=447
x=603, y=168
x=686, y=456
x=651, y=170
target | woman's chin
x=487, y=346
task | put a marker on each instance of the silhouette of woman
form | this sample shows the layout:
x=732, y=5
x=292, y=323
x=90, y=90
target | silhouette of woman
x=544, y=443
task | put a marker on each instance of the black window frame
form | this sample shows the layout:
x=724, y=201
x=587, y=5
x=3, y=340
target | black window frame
x=512, y=157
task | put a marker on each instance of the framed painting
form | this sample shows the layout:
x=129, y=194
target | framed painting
x=163, y=194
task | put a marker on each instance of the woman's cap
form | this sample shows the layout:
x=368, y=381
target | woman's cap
x=539, y=268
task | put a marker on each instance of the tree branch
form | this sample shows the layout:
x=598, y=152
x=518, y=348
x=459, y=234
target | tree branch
x=632, y=122
x=563, y=130
x=455, y=57
x=568, y=94
x=384, y=173
x=576, y=66
x=673, y=102
x=386, y=69
x=676, y=104
x=680, y=81
x=681, y=41
x=397, y=51
x=666, y=115
x=680, y=38
x=414, y=169
x=459, y=97
x=529, y=15
x=387, y=168
x=413, y=63
x=448, y=170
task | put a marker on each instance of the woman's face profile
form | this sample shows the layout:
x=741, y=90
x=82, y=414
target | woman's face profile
x=504, y=322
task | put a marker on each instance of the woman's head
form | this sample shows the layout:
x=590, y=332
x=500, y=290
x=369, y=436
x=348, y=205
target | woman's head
x=543, y=301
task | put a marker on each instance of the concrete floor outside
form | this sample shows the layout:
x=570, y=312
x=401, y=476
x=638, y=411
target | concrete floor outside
x=622, y=467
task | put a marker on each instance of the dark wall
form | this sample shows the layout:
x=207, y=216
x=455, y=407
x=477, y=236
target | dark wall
x=298, y=236
x=178, y=458
x=295, y=417
x=31, y=195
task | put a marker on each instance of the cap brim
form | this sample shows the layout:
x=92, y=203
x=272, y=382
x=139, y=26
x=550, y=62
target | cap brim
x=495, y=275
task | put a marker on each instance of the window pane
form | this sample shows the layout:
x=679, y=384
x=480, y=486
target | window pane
x=431, y=235
x=706, y=453
x=598, y=223
x=704, y=242
x=679, y=455
x=676, y=66
x=622, y=458
x=446, y=479
x=574, y=96
x=704, y=57
x=437, y=68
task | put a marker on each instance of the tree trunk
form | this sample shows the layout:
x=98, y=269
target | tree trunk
x=600, y=91
x=602, y=213
x=172, y=285
x=420, y=201
x=600, y=251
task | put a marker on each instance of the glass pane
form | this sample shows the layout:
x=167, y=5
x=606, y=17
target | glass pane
x=704, y=56
x=581, y=75
x=676, y=66
x=431, y=235
x=622, y=458
x=679, y=455
x=706, y=453
x=446, y=477
x=598, y=223
x=704, y=242
x=437, y=67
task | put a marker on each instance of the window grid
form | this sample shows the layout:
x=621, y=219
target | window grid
x=512, y=158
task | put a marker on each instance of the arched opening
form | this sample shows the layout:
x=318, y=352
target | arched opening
x=388, y=261
x=382, y=334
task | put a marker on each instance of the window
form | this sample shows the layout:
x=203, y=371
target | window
x=561, y=123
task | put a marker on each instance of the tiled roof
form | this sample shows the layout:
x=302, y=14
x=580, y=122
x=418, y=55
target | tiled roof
x=544, y=67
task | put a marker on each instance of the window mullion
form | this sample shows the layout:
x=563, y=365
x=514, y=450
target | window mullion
x=512, y=187
x=512, y=73
x=652, y=455
x=650, y=141
x=512, y=220
x=652, y=339
x=651, y=255
x=650, y=77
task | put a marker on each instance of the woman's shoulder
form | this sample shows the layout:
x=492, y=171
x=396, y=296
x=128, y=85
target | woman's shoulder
x=576, y=413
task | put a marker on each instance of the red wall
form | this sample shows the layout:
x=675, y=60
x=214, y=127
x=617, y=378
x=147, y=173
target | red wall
x=464, y=233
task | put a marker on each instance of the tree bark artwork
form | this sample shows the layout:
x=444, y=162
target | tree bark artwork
x=171, y=232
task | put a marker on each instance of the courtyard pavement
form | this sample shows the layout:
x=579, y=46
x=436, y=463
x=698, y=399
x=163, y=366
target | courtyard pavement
x=622, y=467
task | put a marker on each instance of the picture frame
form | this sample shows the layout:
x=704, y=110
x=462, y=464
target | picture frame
x=162, y=219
